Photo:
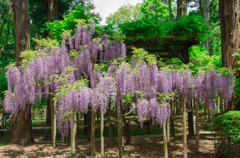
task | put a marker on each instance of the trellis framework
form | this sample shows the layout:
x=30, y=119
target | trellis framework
x=165, y=46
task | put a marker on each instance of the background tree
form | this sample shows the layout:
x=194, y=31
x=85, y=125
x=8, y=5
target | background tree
x=124, y=14
x=21, y=129
x=181, y=9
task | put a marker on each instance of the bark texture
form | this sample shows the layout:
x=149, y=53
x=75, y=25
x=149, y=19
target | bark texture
x=181, y=9
x=92, y=133
x=21, y=130
x=228, y=11
x=21, y=28
x=184, y=122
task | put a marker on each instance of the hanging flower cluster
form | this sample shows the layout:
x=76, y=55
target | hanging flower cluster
x=63, y=71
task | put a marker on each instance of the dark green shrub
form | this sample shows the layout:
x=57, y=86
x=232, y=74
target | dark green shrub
x=227, y=140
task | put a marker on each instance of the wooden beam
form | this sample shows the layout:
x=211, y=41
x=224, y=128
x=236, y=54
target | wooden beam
x=162, y=43
x=166, y=37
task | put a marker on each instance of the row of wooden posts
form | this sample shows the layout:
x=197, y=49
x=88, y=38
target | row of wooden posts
x=166, y=132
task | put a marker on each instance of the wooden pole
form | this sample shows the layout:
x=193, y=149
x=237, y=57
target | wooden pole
x=102, y=134
x=54, y=124
x=111, y=132
x=168, y=131
x=119, y=126
x=197, y=121
x=73, y=132
x=218, y=108
x=93, y=133
x=183, y=103
x=165, y=140
x=119, y=133
x=221, y=105
x=205, y=110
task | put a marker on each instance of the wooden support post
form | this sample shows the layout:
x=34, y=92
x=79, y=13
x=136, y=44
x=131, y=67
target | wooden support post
x=165, y=140
x=197, y=121
x=102, y=134
x=111, y=132
x=172, y=130
x=93, y=133
x=183, y=104
x=73, y=132
x=218, y=108
x=120, y=149
x=221, y=105
x=205, y=110
x=119, y=133
x=168, y=131
x=54, y=124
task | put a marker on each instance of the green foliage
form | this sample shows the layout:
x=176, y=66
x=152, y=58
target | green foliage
x=164, y=97
x=5, y=59
x=227, y=127
x=228, y=124
x=155, y=10
x=189, y=25
x=124, y=14
x=69, y=22
x=40, y=105
x=141, y=54
x=47, y=44
x=237, y=90
x=201, y=60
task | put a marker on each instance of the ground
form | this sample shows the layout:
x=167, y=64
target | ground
x=143, y=145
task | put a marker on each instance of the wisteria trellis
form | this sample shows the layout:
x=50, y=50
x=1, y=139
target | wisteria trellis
x=28, y=83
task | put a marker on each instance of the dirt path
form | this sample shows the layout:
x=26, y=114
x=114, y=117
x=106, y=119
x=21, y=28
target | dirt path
x=149, y=146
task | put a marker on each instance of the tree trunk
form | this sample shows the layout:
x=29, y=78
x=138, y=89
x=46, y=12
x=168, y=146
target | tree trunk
x=120, y=149
x=200, y=8
x=21, y=28
x=21, y=130
x=205, y=110
x=148, y=122
x=52, y=11
x=127, y=131
x=88, y=123
x=197, y=121
x=172, y=127
x=93, y=133
x=102, y=134
x=184, y=122
x=168, y=131
x=53, y=123
x=209, y=113
x=165, y=148
x=170, y=10
x=48, y=135
x=73, y=132
x=111, y=132
x=206, y=15
x=181, y=9
x=229, y=19
x=190, y=123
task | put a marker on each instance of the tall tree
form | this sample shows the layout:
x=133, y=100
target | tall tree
x=170, y=10
x=229, y=20
x=181, y=9
x=206, y=15
x=21, y=130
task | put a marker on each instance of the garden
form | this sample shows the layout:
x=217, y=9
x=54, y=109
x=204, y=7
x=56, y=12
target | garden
x=159, y=79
